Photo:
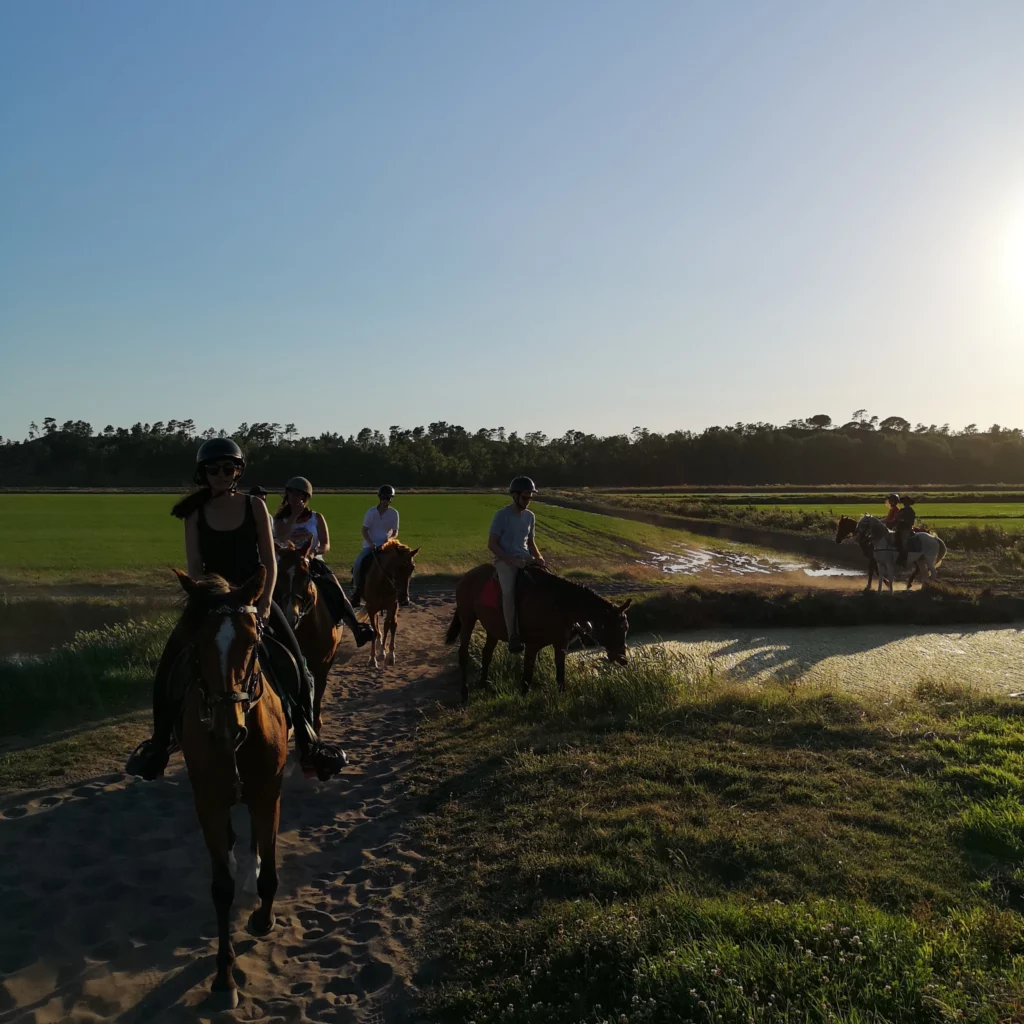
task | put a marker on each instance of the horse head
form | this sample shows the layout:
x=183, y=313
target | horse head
x=295, y=592
x=225, y=641
x=397, y=564
x=611, y=629
x=846, y=527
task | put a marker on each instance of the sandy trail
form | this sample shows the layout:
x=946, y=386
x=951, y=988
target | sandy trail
x=105, y=885
x=860, y=659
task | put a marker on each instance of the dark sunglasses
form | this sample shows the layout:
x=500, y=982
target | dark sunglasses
x=215, y=468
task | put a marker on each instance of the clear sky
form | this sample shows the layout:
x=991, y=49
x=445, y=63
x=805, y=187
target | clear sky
x=538, y=215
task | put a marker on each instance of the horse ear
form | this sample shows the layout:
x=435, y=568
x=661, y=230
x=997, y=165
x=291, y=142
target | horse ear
x=249, y=592
x=188, y=584
x=414, y=552
x=625, y=607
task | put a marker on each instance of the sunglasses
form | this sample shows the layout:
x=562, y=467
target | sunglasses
x=216, y=468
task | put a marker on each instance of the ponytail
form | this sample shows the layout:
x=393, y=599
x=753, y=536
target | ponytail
x=184, y=508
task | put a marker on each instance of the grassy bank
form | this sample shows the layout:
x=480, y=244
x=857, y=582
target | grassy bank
x=660, y=847
x=705, y=608
x=98, y=674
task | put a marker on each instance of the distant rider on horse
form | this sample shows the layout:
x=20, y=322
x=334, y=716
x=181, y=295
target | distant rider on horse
x=892, y=511
x=514, y=547
x=904, y=529
x=380, y=524
x=229, y=534
x=297, y=523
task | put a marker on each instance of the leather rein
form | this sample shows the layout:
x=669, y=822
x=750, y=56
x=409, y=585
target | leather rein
x=252, y=690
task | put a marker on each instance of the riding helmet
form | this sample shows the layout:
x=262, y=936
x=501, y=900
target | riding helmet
x=385, y=491
x=217, y=448
x=300, y=483
x=892, y=497
x=522, y=483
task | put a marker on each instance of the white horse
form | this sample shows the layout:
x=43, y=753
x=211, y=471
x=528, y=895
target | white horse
x=924, y=550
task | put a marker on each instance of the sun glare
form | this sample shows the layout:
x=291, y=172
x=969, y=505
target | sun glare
x=1012, y=256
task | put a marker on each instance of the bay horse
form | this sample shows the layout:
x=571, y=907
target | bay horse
x=552, y=610
x=386, y=587
x=298, y=597
x=234, y=736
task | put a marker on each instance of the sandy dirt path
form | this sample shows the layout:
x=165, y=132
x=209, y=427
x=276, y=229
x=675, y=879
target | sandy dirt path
x=104, y=886
x=860, y=659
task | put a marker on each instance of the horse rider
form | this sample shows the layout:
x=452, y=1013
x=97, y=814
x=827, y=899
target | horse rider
x=380, y=524
x=229, y=534
x=297, y=523
x=512, y=543
x=892, y=511
x=905, y=519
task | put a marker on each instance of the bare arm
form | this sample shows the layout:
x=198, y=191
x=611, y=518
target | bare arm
x=534, y=550
x=193, y=559
x=325, y=537
x=494, y=546
x=268, y=555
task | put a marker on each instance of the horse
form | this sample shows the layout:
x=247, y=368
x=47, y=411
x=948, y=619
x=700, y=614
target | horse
x=925, y=551
x=552, y=610
x=846, y=527
x=386, y=587
x=297, y=595
x=234, y=736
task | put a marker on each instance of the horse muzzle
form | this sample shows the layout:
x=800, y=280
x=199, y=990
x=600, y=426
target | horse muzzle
x=618, y=659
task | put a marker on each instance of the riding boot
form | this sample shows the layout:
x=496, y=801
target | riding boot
x=150, y=757
x=340, y=607
x=315, y=756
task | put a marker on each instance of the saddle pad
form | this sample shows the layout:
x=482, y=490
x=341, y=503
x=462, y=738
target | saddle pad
x=490, y=596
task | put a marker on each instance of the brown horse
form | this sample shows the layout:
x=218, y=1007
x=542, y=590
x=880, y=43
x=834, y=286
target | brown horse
x=386, y=587
x=234, y=737
x=307, y=613
x=552, y=610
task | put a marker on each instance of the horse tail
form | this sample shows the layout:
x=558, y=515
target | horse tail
x=454, y=629
x=942, y=551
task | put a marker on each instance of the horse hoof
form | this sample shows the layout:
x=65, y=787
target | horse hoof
x=373, y=663
x=224, y=998
x=258, y=928
x=390, y=659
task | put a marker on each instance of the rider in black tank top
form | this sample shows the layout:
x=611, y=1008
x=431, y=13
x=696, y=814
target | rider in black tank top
x=233, y=554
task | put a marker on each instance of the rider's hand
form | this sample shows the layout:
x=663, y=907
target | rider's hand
x=539, y=560
x=263, y=610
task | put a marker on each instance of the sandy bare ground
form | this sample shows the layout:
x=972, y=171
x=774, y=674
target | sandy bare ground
x=861, y=659
x=104, y=886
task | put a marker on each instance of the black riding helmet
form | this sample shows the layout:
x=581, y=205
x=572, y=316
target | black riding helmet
x=385, y=491
x=522, y=483
x=217, y=448
x=892, y=497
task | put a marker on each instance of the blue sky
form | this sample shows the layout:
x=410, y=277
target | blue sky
x=541, y=216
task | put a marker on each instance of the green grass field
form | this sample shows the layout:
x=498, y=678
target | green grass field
x=1007, y=515
x=131, y=538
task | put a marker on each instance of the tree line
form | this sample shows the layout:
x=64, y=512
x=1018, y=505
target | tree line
x=862, y=450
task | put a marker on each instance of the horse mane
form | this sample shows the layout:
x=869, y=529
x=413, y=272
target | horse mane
x=394, y=544
x=198, y=603
x=569, y=589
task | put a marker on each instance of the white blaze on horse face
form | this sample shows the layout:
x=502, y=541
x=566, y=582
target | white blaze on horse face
x=225, y=636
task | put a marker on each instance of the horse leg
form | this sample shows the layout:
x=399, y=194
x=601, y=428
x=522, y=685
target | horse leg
x=485, y=658
x=466, y=632
x=560, y=668
x=392, y=625
x=374, y=621
x=217, y=830
x=529, y=660
x=265, y=820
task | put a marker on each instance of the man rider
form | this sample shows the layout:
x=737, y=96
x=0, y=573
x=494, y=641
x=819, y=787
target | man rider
x=905, y=520
x=514, y=547
x=380, y=524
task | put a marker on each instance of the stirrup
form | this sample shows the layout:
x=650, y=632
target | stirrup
x=324, y=759
x=148, y=760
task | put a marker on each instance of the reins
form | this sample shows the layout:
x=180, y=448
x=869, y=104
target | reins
x=377, y=561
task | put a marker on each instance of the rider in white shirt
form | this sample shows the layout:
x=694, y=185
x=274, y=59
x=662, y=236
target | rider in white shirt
x=380, y=524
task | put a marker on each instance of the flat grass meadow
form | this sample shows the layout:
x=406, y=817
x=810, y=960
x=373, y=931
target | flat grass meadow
x=52, y=539
x=661, y=845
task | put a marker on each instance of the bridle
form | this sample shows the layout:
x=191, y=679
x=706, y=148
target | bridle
x=306, y=603
x=252, y=690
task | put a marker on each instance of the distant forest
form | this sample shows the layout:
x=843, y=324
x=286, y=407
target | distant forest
x=864, y=450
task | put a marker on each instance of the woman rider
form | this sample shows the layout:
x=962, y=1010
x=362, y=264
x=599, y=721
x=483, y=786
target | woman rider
x=893, y=510
x=229, y=534
x=295, y=521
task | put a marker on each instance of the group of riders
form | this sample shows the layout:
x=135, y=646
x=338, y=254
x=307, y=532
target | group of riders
x=231, y=534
